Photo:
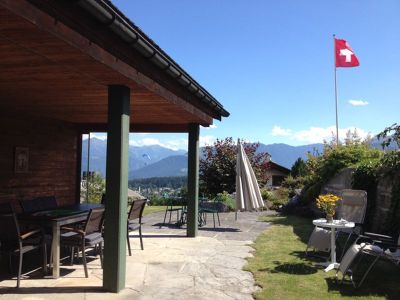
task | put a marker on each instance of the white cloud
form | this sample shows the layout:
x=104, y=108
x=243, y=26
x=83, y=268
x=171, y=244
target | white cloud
x=317, y=134
x=135, y=140
x=279, y=131
x=144, y=142
x=100, y=136
x=171, y=144
x=207, y=140
x=358, y=102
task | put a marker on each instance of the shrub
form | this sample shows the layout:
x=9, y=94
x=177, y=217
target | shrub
x=335, y=158
x=156, y=200
x=265, y=194
x=227, y=199
x=293, y=183
x=310, y=193
x=279, y=197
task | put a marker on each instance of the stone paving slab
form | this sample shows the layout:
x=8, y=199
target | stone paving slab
x=171, y=266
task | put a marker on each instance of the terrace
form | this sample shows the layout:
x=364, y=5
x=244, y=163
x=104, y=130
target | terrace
x=70, y=68
x=260, y=255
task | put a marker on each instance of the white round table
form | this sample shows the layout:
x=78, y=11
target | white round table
x=336, y=224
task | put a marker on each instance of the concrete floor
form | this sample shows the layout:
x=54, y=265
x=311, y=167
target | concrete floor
x=171, y=266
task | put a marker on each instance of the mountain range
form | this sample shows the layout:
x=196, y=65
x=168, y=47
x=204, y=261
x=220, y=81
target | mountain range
x=158, y=161
x=139, y=157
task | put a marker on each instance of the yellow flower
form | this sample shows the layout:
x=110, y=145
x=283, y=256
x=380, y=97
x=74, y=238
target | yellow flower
x=327, y=203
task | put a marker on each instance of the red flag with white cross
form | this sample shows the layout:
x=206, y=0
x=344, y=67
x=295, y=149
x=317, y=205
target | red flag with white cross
x=345, y=57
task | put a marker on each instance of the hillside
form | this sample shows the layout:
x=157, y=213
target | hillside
x=171, y=166
x=139, y=157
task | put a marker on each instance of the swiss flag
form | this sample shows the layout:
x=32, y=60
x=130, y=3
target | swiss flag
x=345, y=56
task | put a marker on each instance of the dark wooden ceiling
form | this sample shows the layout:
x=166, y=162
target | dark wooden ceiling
x=48, y=70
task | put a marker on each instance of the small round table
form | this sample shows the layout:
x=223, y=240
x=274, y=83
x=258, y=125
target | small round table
x=336, y=224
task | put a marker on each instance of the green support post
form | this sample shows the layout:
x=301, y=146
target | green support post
x=116, y=189
x=193, y=180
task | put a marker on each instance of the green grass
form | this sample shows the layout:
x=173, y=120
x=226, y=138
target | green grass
x=153, y=209
x=282, y=270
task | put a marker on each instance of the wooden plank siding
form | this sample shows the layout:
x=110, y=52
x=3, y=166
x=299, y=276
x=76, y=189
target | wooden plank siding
x=52, y=160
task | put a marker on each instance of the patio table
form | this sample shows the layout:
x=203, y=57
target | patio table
x=336, y=224
x=55, y=218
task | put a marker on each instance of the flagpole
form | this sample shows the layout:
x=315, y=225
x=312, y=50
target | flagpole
x=336, y=101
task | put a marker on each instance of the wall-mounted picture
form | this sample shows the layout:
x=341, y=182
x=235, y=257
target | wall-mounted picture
x=21, y=164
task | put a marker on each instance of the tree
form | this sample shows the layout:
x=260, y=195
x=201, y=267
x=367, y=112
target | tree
x=218, y=167
x=299, y=168
x=389, y=134
x=97, y=187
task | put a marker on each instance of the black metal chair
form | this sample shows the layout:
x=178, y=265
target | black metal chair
x=135, y=221
x=89, y=236
x=39, y=204
x=14, y=242
x=375, y=245
x=206, y=207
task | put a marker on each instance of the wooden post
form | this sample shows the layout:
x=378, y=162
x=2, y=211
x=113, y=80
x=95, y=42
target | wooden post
x=117, y=188
x=193, y=180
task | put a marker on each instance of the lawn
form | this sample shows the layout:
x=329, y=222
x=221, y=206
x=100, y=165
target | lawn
x=155, y=208
x=282, y=270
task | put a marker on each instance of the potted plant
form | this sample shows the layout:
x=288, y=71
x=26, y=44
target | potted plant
x=327, y=203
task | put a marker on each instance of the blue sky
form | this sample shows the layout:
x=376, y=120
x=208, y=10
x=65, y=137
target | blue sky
x=270, y=63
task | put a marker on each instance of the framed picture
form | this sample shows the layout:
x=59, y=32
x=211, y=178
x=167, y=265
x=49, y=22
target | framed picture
x=21, y=160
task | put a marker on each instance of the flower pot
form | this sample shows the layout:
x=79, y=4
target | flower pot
x=329, y=218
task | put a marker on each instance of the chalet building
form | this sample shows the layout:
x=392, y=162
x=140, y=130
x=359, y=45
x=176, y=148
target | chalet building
x=277, y=174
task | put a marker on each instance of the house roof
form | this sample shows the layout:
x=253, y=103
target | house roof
x=276, y=166
x=129, y=32
x=65, y=54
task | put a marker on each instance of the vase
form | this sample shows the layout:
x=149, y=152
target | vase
x=329, y=218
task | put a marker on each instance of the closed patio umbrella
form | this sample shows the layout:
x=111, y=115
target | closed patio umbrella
x=248, y=195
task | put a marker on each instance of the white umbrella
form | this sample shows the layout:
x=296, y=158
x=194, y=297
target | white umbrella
x=248, y=195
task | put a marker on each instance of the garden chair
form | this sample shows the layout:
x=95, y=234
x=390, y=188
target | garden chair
x=36, y=205
x=135, y=221
x=14, y=242
x=208, y=208
x=351, y=208
x=90, y=236
x=376, y=245
x=39, y=204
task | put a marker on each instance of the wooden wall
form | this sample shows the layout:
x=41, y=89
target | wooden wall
x=52, y=160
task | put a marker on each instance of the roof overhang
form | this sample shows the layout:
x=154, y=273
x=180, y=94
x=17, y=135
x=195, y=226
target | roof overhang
x=58, y=61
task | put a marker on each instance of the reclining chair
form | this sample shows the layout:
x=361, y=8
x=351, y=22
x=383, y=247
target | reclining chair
x=376, y=245
x=351, y=208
